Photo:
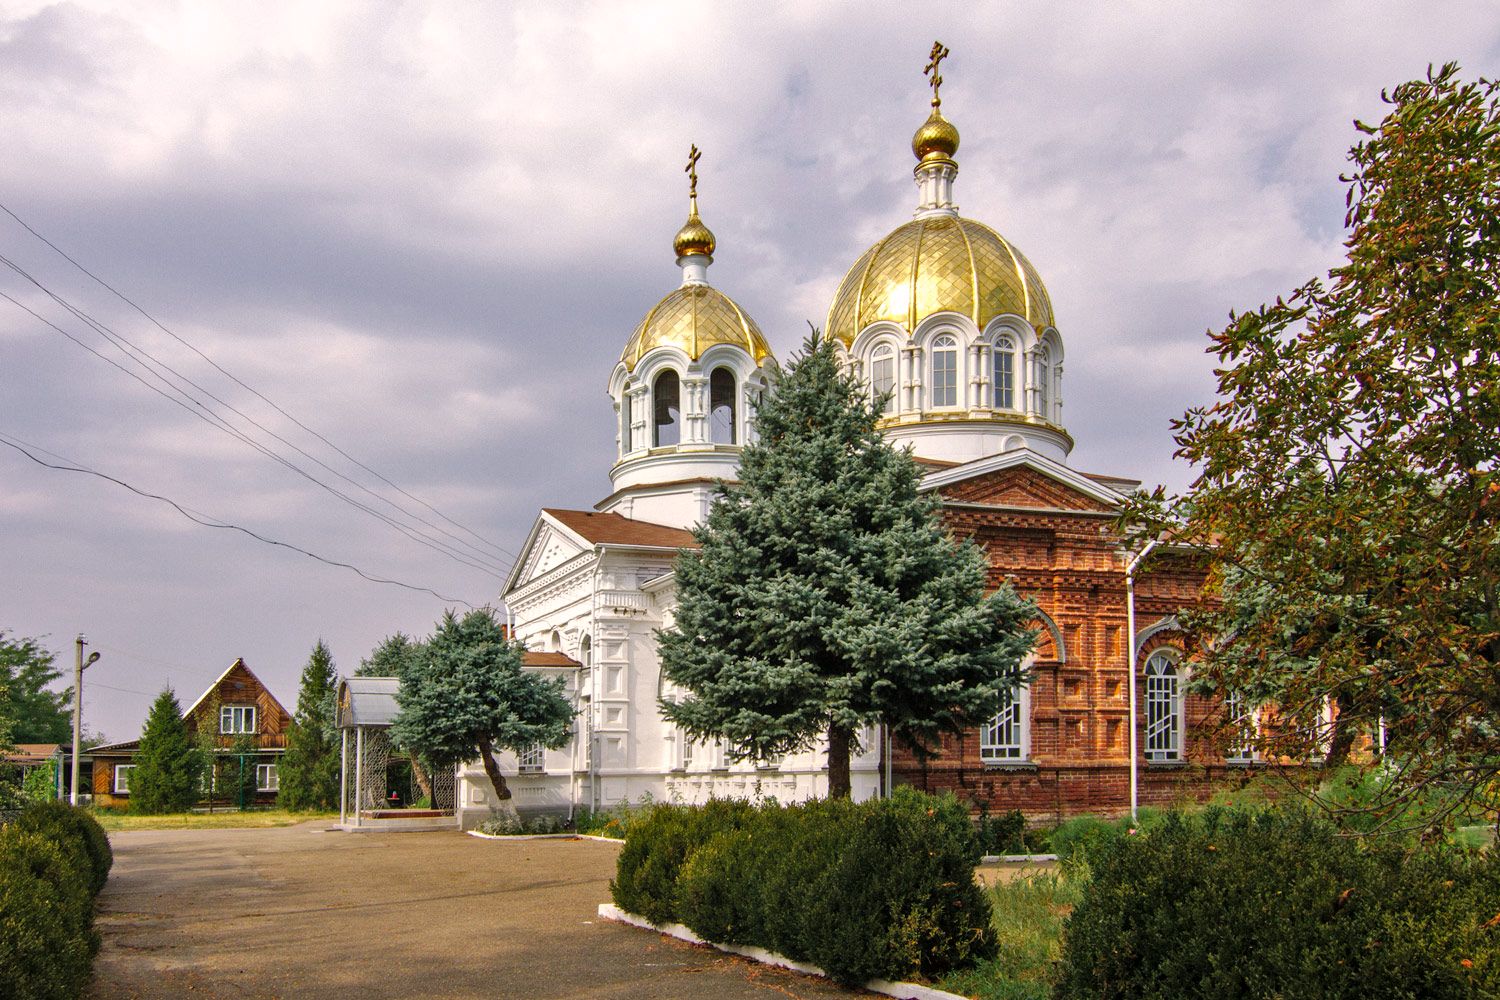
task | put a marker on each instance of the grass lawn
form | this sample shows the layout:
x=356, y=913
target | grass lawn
x=1029, y=913
x=223, y=820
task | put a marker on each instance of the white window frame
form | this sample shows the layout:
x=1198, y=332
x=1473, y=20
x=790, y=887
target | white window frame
x=233, y=720
x=122, y=771
x=1006, y=738
x=945, y=343
x=1044, y=382
x=1243, y=726
x=1164, y=708
x=883, y=354
x=1003, y=391
x=532, y=760
x=685, y=750
x=267, y=779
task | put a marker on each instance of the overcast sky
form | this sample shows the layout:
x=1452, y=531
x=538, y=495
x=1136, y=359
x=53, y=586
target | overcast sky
x=426, y=230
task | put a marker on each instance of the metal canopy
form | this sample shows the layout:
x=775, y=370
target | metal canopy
x=367, y=702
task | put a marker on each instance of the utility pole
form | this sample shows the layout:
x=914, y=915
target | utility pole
x=78, y=667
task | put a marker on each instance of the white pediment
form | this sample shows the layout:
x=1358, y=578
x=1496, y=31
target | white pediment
x=549, y=546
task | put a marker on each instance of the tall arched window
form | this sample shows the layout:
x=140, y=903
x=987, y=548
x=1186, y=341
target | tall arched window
x=586, y=652
x=721, y=406
x=883, y=377
x=1005, y=374
x=666, y=424
x=1163, y=708
x=1044, y=382
x=626, y=431
x=945, y=371
x=1005, y=737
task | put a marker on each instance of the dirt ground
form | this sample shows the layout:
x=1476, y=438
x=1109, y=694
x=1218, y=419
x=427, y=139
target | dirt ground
x=302, y=913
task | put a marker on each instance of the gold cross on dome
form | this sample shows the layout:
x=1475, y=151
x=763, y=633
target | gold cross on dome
x=938, y=54
x=692, y=171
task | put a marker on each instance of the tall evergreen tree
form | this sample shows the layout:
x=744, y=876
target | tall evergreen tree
x=168, y=765
x=825, y=595
x=467, y=696
x=389, y=659
x=309, y=770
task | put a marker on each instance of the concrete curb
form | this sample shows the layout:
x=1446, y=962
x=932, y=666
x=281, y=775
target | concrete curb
x=542, y=836
x=903, y=991
x=994, y=859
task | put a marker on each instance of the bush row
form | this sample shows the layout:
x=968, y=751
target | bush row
x=1232, y=904
x=880, y=889
x=53, y=861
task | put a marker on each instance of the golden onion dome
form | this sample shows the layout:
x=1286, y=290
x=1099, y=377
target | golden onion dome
x=937, y=139
x=694, y=237
x=940, y=263
x=694, y=318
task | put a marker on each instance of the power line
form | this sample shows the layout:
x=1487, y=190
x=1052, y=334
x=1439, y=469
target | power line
x=159, y=325
x=208, y=522
x=213, y=419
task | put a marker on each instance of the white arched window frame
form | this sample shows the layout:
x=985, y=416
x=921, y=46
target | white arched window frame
x=944, y=365
x=1003, y=373
x=666, y=409
x=1164, y=693
x=883, y=377
x=722, y=411
x=1044, y=382
x=1006, y=738
x=627, y=445
x=1239, y=720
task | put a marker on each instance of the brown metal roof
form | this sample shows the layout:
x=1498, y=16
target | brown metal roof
x=31, y=753
x=613, y=529
x=536, y=658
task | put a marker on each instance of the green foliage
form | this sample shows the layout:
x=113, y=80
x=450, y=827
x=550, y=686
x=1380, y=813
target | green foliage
x=614, y=822
x=51, y=866
x=37, y=714
x=393, y=655
x=879, y=889
x=237, y=772
x=168, y=766
x=826, y=596
x=1239, y=904
x=308, y=773
x=1029, y=914
x=467, y=693
x=546, y=823
x=40, y=783
x=1348, y=487
x=1003, y=834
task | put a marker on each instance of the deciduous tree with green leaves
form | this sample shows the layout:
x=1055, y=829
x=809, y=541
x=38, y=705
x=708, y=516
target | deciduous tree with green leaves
x=168, y=766
x=826, y=595
x=38, y=713
x=1347, y=491
x=308, y=773
x=467, y=695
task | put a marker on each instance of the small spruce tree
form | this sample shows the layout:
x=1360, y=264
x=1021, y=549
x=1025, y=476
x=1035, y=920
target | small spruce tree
x=168, y=766
x=308, y=773
x=826, y=596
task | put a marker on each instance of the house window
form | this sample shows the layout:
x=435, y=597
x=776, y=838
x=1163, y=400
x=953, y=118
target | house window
x=265, y=778
x=666, y=427
x=235, y=719
x=530, y=760
x=1005, y=374
x=945, y=372
x=883, y=378
x=721, y=406
x=1163, y=709
x=1240, y=720
x=1003, y=738
x=122, y=778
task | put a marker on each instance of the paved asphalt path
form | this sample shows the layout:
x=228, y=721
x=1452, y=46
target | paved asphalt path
x=301, y=912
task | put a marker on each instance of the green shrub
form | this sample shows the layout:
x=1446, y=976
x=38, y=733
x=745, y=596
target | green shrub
x=656, y=847
x=1003, y=834
x=75, y=832
x=1263, y=904
x=47, y=941
x=1029, y=913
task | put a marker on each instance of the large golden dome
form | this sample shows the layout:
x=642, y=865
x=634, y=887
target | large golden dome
x=940, y=263
x=694, y=318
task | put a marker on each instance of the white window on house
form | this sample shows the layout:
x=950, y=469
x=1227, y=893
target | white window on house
x=945, y=371
x=1044, y=382
x=1240, y=720
x=265, y=778
x=1163, y=708
x=122, y=778
x=235, y=719
x=883, y=377
x=721, y=417
x=1005, y=737
x=531, y=760
x=1005, y=374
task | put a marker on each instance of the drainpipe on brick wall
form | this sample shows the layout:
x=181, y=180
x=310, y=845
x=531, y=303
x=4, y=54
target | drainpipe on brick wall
x=1135, y=766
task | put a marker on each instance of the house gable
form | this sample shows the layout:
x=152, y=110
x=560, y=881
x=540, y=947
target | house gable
x=238, y=687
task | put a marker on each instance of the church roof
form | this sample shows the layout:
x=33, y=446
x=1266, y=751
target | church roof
x=537, y=658
x=615, y=529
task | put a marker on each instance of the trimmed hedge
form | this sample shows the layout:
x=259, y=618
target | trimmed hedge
x=880, y=889
x=53, y=861
x=1276, y=904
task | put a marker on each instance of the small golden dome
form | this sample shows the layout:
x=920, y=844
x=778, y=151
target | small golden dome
x=941, y=263
x=694, y=237
x=937, y=139
x=694, y=318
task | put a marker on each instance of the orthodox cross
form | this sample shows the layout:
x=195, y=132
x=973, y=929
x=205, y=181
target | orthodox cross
x=692, y=172
x=939, y=53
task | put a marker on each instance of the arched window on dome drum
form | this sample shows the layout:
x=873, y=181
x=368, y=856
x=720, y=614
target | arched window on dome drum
x=721, y=416
x=1005, y=374
x=1044, y=382
x=666, y=396
x=626, y=432
x=1163, y=709
x=945, y=372
x=883, y=378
